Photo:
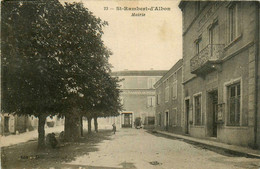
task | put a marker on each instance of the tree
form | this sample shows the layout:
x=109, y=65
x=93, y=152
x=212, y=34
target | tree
x=31, y=74
x=84, y=59
x=109, y=103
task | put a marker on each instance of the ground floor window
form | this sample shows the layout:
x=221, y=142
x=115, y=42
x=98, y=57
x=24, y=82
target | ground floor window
x=197, y=110
x=234, y=103
x=159, y=119
x=174, y=116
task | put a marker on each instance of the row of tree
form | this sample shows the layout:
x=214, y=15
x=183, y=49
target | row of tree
x=54, y=62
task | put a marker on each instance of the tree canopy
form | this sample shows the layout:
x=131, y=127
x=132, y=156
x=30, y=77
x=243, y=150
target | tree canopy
x=54, y=58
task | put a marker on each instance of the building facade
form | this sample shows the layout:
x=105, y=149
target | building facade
x=14, y=124
x=169, y=100
x=138, y=96
x=221, y=71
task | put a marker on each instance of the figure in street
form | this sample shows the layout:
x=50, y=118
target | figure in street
x=114, y=128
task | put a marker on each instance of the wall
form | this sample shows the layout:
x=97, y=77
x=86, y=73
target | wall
x=238, y=63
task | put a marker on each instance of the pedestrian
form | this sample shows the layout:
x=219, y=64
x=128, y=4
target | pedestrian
x=114, y=128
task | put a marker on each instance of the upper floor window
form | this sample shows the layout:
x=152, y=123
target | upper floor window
x=166, y=91
x=150, y=101
x=198, y=6
x=214, y=33
x=151, y=82
x=158, y=99
x=233, y=21
x=198, y=45
x=234, y=103
x=174, y=90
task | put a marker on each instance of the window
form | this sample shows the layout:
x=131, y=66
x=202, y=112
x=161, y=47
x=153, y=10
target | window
x=197, y=110
x=150, y=101
x=174, y=90
x=166, y=94
x=157, y=99
x=214, y=33
x=233, y=21
x=198, y=45
x=174, y=114
x=198, y=6
x=234, y=104
x=151, y=82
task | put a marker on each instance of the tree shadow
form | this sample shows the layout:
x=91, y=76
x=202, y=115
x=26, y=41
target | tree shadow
x=27, y=155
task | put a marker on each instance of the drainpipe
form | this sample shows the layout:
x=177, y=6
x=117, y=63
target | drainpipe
x=256, y=72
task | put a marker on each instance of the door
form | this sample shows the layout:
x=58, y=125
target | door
x=166, y=121
x=187, y=109
x=214, y=96
x=127, y=120
x=212, y=112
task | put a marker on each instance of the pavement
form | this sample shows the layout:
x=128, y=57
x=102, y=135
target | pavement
x=139, y=149
x=238, y=150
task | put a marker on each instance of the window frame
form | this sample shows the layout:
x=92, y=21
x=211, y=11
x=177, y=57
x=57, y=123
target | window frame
x=201, y=123
x=198, y=43
x=238, y=33
x=174, y=83
x=229, y=97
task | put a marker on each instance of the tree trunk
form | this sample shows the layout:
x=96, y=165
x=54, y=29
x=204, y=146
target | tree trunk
x=89, y=124
x=81, y=126
x=41, y=131
x=72, y=126
x=96, y=124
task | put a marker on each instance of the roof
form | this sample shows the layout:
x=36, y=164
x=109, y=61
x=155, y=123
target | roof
x=139, y=73
x=174, y=68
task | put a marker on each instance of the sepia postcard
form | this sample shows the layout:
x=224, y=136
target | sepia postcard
x=130, y=84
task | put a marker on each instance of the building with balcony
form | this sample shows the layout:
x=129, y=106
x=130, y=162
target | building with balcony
x=169, y=114
x=221, y=86
x=137, y=96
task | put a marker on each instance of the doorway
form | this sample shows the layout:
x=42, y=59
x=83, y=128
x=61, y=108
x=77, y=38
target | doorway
x=127, y=120
x=166, y=121
x=213, y=105
x=187, y=111
x=6, y=124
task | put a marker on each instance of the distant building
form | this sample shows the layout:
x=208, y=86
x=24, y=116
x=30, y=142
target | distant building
x=11, y=124
x=221, y=70
x=138, y=95
x=169, y=100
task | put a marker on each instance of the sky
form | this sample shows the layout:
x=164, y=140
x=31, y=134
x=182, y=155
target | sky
x=153, y=41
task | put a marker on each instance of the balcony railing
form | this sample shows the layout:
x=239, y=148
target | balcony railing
x=202, y=62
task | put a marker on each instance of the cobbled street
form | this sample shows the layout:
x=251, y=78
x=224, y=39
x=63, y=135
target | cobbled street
x=132, y=148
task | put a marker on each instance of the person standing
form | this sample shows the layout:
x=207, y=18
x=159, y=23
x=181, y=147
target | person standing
x=114, y=128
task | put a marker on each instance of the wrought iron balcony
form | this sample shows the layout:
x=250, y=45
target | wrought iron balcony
x=207, y=59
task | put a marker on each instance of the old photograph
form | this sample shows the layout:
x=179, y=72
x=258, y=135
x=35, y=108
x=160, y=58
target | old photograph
x=130, y=84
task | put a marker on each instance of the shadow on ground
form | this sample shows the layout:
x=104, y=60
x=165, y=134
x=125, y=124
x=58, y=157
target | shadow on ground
x=26, y=155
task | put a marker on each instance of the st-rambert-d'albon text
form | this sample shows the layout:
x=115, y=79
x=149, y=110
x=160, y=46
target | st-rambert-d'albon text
x=139, y=11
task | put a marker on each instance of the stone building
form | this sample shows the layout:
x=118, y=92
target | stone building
x=221, y=71
x=12, y=124
x=138, y=96
x=169, y=100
